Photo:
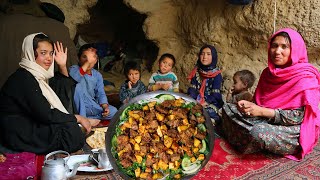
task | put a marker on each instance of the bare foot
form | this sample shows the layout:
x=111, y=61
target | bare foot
x=94, y=122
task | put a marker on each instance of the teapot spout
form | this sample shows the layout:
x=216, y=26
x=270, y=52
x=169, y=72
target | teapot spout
x=74, y=171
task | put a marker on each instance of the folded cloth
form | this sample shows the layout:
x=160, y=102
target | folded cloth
x=19, y=166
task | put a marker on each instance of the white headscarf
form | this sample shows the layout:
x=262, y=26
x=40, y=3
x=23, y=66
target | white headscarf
x=28, y=62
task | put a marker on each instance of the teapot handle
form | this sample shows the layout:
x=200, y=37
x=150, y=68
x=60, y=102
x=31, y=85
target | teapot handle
x=57, y=152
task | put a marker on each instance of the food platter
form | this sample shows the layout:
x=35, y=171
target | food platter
x=187, y=171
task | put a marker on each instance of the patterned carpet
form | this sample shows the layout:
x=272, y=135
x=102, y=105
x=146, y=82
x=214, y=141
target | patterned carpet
x=225, y=163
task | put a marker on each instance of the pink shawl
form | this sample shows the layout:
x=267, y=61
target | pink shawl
x=292, y=87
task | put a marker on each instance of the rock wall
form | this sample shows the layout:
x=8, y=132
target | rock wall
x=239, y=33
x=75, y=11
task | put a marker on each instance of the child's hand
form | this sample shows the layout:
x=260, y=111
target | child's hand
x=230, y=91
x=166, y=86
x=106, y=110
x=130, y=85
x=60, y=54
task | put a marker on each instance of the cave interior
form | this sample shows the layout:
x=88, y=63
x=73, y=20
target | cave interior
x=116, y=31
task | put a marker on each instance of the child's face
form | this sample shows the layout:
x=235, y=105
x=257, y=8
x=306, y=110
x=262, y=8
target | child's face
x=89, y=55
x=206, y=57
x=238, y=85
x=44, y=54
x=166, y=65
x=133, y=76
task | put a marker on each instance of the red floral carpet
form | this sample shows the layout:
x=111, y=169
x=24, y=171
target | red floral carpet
x=225, y=163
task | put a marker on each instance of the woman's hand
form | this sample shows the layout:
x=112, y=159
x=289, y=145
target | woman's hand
x=251, y=109
x=61, y=57
x=85, y=123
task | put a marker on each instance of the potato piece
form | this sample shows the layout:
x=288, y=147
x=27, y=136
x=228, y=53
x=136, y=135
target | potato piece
x=177, y=163
x=151, y=104
x=160, y=117
x=171, y=165
x=136, y=116
x=121, y=152
x=175, y=146
x=139, y=158
x=138, y=139
x=132, y=141
x=141, y=121
x=201, y=157
x=193, y=159
x=177, y=176
x=144, y=175
x=195, y=132
x=182, y=128
x=155, y=166
x=163, y=165
x=159, y=132
x=195, y=150
x=136, y=147
x=167, y=141
x=130, y=120
x=196, y=142
x=185, y=121
x=142, y=129
x=163, y=127
x=171, y=117
x=169, y=151
x=157, y=176
x=148, y=170
x=137, y=172
x=156, y=138
x=145, y=108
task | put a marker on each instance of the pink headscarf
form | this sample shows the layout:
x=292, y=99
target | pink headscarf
x=293, y=87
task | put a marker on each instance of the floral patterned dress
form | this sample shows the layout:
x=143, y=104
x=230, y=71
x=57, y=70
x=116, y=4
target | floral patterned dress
x=279, y=135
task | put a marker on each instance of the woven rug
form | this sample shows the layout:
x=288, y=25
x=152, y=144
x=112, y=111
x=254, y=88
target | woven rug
x=225, y=163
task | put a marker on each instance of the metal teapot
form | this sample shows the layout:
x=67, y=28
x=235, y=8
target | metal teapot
x=57, y=168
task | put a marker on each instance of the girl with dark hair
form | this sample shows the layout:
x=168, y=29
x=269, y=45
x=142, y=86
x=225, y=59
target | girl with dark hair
x=206, y=82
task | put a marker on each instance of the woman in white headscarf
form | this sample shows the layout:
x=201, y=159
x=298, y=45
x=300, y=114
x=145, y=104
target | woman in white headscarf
x=32, y=117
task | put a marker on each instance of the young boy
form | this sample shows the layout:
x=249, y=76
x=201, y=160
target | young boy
x=242, y=81
x=133, y=86
x=90, y=98
x=164, y=79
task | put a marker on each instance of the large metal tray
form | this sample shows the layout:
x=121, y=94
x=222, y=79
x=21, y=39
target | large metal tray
x=147, y=96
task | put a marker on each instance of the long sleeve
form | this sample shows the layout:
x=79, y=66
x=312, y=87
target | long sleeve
x=213, y=91
x=100, y=93
x=75, y=73
x=124, y=92
x=288, y=117
x=192, y=90
x=152, y=82
x=25, y=98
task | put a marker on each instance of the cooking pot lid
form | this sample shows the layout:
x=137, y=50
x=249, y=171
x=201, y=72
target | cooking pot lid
x=58, y=161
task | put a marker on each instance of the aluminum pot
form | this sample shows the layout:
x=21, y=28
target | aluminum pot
x=115, y=121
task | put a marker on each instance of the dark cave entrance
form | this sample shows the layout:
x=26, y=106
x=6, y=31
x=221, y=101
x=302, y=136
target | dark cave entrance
x=117, y=29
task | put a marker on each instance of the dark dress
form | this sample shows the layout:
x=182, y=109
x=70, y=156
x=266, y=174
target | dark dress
x=27, y=122
x=279, y=135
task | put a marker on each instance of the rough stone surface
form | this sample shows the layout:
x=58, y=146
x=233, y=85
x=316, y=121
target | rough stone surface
x=75, y=12
x=239, y=33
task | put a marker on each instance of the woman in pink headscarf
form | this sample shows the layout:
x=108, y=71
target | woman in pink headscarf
x=285, y=117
